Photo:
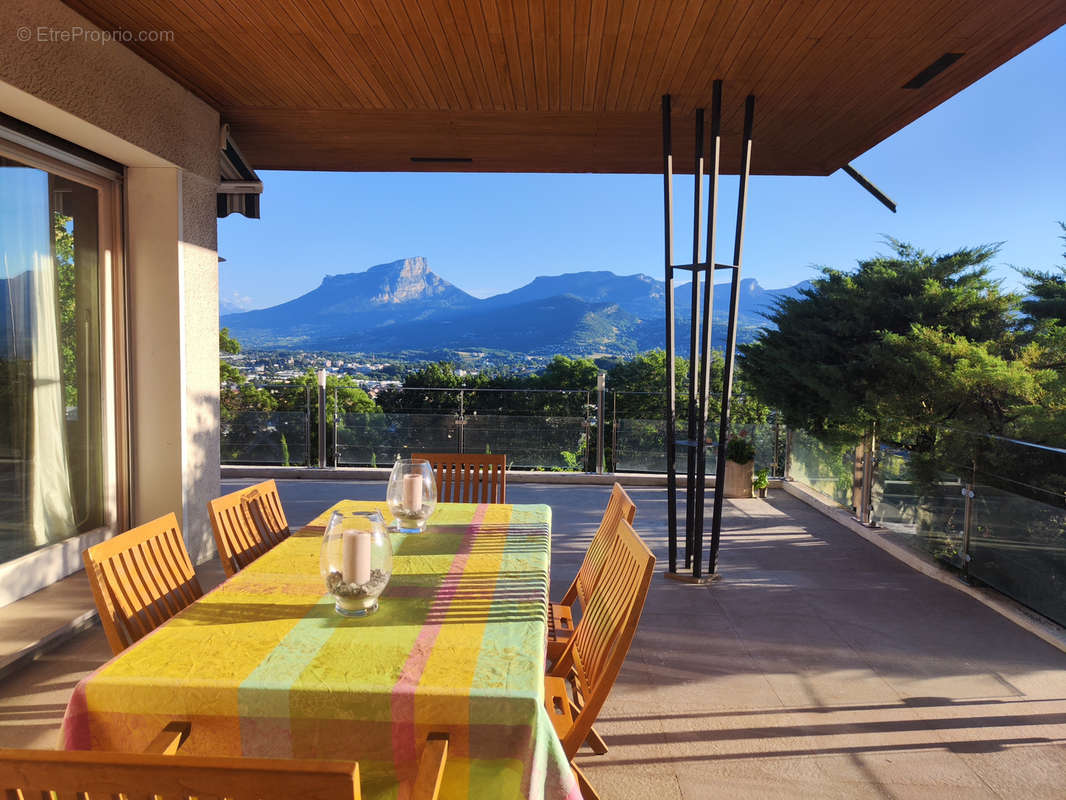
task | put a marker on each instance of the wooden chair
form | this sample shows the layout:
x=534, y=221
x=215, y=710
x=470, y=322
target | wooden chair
x=246, y=524
x=140, y=579
x=159, y=773
x=579, y=682
x=561, y=614
x=469, y=478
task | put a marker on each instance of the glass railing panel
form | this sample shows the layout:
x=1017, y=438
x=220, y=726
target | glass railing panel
x=1018, y=525
x=376, y=440
x=532, y=442
x=640, y=446
x=769, y=441
x=918, y=499
x=265, y=437
x=826, y=468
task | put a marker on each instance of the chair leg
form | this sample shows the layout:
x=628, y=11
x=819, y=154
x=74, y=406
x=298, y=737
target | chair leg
x=587, y=792
x=593, y=740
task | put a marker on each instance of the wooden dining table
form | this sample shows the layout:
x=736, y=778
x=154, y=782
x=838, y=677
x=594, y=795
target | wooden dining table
x=264, y=666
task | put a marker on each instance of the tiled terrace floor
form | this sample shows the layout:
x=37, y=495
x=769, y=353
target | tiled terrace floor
x=817, y=667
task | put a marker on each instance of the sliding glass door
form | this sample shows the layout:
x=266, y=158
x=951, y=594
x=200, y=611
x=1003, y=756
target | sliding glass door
x=57, y=412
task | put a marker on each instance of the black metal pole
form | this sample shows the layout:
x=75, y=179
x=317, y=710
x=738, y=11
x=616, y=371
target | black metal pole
x=731, y=334
x=694, y=305
x=668, y=220
x=868, y=185
x=707, y=321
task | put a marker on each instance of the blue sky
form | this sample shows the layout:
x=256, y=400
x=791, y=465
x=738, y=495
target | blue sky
x=989, y=165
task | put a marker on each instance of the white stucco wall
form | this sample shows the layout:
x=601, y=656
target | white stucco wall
x=100, y=95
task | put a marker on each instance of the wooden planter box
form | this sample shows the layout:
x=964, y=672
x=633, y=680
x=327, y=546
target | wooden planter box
x=738, y=479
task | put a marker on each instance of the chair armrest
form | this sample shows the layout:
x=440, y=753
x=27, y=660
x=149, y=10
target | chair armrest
x=557, y=704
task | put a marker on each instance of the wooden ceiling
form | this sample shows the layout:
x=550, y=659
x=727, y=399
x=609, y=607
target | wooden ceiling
x=568, y=85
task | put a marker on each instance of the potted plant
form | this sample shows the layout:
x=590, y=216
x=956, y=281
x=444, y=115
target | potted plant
x=739, y=466
x=761, y=481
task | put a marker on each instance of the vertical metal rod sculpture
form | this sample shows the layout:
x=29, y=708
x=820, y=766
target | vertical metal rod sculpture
x=693, y=353
x=731, y=335
x=707, y=319
x=668, y=211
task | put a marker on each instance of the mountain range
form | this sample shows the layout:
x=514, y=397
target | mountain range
x=403, y=306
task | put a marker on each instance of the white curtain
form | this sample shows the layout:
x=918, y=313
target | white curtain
x=32, y=336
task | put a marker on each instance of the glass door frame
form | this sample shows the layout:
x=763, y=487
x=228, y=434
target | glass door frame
x=36, y=570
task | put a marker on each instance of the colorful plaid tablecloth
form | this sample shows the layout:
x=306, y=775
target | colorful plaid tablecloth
x=263, y=666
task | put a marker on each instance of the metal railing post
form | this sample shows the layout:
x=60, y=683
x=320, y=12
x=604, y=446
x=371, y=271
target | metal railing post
x=336, y=420
x=461, y=424
x=601, y=382
x=858, y=467
x=588, y=432
x=614, y=431
x=867, y=497
x=307, y=426
x=967, y=517
x=321, y=418
x=777, y=445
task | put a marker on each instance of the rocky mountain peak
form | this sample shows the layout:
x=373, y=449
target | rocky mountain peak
x=394, y=282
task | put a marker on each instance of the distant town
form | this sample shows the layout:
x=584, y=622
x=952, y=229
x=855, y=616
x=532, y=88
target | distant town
x=371, y=372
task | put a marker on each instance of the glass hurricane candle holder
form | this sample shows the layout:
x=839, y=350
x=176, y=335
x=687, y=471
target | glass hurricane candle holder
x=356, y=561
x=412, y=494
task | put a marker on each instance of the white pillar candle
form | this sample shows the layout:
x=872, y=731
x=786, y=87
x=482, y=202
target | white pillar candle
x=412, y=493
x=355, y=557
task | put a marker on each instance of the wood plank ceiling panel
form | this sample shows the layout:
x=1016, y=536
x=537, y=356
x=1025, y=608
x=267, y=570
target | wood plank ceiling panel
x=567, y=85
x=923, y=47
x=886, y=121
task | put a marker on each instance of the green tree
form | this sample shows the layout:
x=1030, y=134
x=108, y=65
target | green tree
x=227, y=373
x=569, y=373
x=346, y=403
x=1047, y=292
x=640, y=383
x=412, y=397
x=910, y=337
x=646, y=373
x=1044, y=422
x=66, y=292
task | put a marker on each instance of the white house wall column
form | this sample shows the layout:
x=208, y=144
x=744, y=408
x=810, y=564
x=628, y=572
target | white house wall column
x=173, y=320
x=200, y=431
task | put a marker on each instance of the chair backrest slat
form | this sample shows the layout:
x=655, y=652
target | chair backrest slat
x=246, y=524
x=602, y=637
x=619, y=506
x=468, y=478
x=140, y=579
x=94, y=776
